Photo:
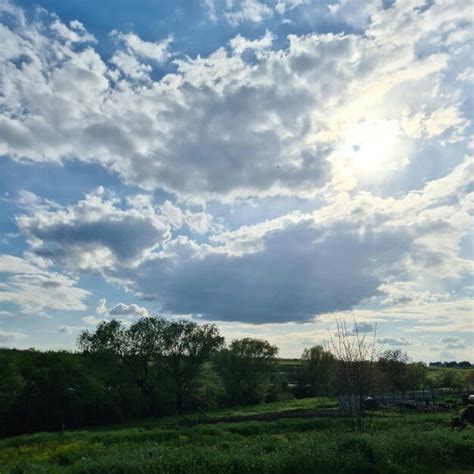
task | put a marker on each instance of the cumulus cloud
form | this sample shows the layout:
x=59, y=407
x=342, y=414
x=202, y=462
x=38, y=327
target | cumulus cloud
x=156, y=51
x=95, y=233
x=34, y=289
x=395, y=341
x=221, y=126
x=129, y=310
x=120, y=309
x=257, y=118
x=287, y=269
x=92, y=320
x=103, y=231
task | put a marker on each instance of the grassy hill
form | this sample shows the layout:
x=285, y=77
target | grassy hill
x=391, y=444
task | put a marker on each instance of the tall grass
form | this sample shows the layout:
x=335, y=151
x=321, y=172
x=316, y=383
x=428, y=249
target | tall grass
x=416, y=443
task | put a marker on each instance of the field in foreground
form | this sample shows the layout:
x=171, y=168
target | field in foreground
x=413, y=443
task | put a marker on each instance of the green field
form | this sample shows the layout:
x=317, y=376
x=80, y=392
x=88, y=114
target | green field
x=392, y=443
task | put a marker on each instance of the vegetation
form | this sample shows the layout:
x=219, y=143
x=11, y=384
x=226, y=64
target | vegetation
x=210, y=407
x=157, y=368
x=393, y=444
x=247, y=369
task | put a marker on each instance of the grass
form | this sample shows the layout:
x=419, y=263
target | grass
x=392, y=444
x=282, y=406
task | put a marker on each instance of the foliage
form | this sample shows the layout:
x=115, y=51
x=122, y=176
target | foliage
x=315, y=373
x=246, y=368
x=153, y=347
x=415, y=443
x=185, y=347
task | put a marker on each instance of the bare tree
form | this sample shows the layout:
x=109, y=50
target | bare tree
x=356, y=354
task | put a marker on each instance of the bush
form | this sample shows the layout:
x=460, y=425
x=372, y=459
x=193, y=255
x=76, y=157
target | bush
x=467, y=414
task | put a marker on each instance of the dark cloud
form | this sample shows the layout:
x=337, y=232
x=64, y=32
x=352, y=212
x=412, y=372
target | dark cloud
x=302, y=270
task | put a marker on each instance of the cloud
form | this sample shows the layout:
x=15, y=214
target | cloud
x=101, y=306
x=156, y=51
x=94, y=233
x=11, y=337
x=450, y=340
x=223, y=126
x=395, y=341
x=363, y=327
x=453, y=343
x=120, y=309
x=92, y=320
x=455, y=346
x=74, y=33
x=252, y=11
x=350, y=252
x=34, y=289
x=290, y=273
x=65, y=329
x=128, y=309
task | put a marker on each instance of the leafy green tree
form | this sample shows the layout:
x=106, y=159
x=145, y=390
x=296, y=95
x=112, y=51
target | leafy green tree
x=246, y=368
x=58, y=393
x=152, y=348
x=417, y=375
x=469, y=379
x=449, y=378
x=11, y=386
x=317, y=365
x=392, y=367
x=137, y=347
x=185, y=347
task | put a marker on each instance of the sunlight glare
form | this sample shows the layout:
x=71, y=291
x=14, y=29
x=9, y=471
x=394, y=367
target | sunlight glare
x=371, y=147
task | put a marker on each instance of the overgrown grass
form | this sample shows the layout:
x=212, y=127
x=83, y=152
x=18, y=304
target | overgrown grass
x=392, y=444
x=286, y=405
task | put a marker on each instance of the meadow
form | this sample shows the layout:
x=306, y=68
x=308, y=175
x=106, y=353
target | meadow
x=391, y=443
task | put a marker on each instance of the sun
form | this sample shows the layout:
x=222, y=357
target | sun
x=372, y=147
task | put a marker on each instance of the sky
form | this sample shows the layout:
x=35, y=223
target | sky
x=267, y=166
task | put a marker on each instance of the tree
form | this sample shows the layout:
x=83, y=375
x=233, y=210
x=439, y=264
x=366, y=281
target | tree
x=186, y=346
x=354, y=375
x=469, y=380
x=393, y=369
x=152, y=347
x=449, y=378
x=316, y=368
x=246, y=368
x=417, y=375
x=11, y=386
x=137, y=348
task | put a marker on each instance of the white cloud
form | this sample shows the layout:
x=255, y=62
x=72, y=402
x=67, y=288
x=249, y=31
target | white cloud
x=92, y=320
x=101, y=306
x=96, y=233
x=10, y=338
x=35, y=290
x=395, y=341
x=129, y=310
x=221, y=127
x=156, y=51
x=75, y=33
x=252, y=11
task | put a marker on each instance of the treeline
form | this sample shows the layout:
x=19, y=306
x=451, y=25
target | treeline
x=464, y=364
x=157, y=367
